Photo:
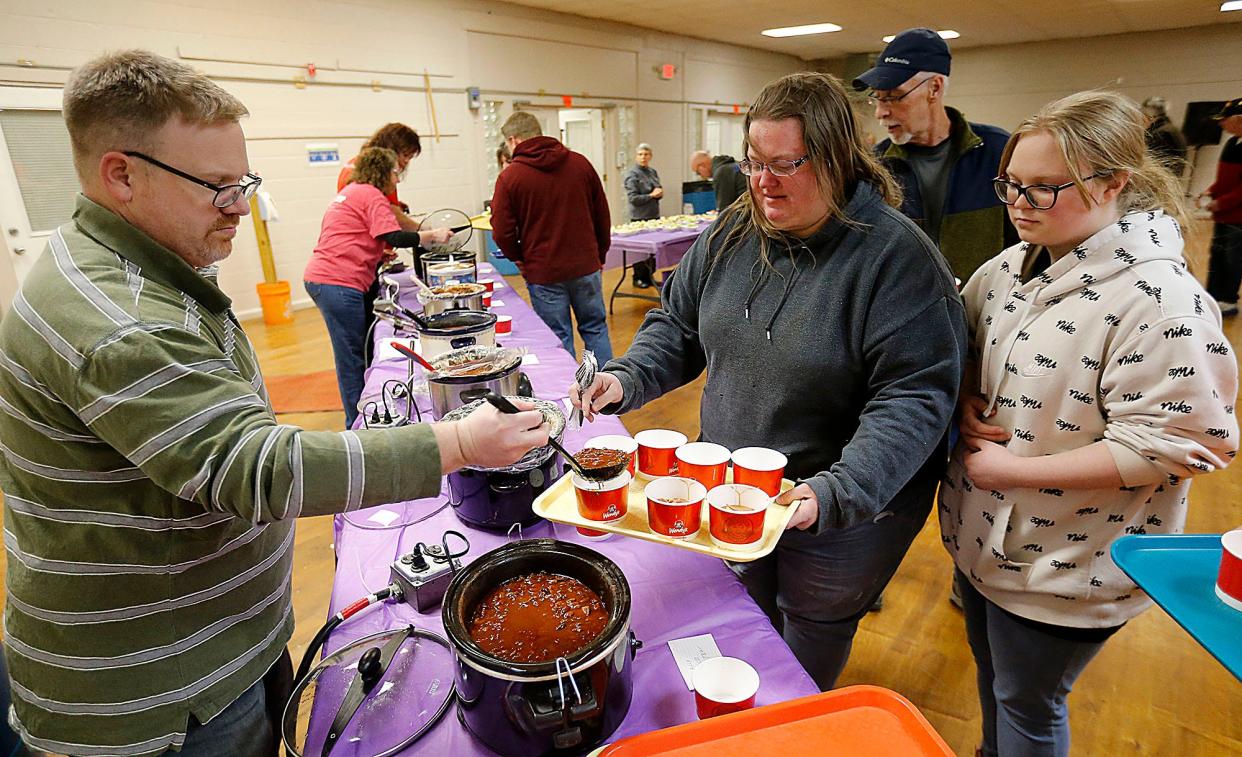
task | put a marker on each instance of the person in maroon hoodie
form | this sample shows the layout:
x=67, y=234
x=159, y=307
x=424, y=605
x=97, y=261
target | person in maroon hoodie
x=1224, y=199
x=550, y=217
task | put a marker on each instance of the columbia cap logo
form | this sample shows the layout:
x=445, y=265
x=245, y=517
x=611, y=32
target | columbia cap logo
x=892, y=59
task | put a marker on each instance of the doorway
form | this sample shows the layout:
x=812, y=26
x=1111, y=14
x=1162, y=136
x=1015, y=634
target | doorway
x=38, y=184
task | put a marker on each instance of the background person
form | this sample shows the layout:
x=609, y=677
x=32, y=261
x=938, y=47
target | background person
x=943, y=162
x=1224, y=200
x=149, y=491
x=550, y=217
x=1166, y=141
x=402, y=140
x=860, y=404
x=727, y=181
x=357, y=228
x=1100, y=384
x=643, y=190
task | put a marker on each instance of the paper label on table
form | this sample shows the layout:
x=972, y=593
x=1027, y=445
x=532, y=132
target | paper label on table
x=690, y=651
x=383, y=517
x=388, y=352
x=498, y=303
x=530, y=358
x=498, y=285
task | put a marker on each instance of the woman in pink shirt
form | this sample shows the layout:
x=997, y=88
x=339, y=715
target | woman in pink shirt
x=356, y=228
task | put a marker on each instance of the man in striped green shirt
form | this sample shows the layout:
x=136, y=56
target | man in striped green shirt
x=149, y=491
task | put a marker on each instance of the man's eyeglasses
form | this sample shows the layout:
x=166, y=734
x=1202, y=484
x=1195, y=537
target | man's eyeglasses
x=226, y=194
x=776, y=167
x=1040, y=196
x=873, y=99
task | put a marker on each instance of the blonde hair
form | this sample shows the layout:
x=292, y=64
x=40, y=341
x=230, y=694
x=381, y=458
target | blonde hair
x=1105, y=132
x=118, y=100
x=521, y=125
x=374, y=166
x=834, y=145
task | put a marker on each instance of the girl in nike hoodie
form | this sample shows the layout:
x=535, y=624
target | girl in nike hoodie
x=1100, y=384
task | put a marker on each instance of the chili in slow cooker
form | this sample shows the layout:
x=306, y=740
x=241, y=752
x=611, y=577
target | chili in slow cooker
x=537, y=617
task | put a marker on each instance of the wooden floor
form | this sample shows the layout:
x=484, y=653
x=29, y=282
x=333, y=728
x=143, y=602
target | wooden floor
x=1152, y=691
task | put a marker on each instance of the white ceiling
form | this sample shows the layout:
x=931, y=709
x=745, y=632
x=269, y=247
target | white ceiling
x=980, y=22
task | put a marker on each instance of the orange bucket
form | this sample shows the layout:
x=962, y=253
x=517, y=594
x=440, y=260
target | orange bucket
x=276, y=303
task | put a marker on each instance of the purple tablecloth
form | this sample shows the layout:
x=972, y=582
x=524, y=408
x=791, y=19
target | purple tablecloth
x=675, y=593
x=668, y=247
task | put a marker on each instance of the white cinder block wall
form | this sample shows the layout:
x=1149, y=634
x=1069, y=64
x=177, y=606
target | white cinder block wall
x=255, y=50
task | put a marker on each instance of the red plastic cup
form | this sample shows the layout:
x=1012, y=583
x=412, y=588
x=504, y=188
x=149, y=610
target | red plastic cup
x=761, y=467
x=487, y=299
x=616, y=441
x=723, y=685
x=489, y=284
x=504, y=324
x=704, y=462
x=735, y=517
x=1229, y=581
x=675, y=506
x=657, y=450
x=603, y=501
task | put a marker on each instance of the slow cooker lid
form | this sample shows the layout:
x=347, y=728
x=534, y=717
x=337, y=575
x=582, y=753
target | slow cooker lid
x=413, y=693
x=498, y=361
x=552, y=415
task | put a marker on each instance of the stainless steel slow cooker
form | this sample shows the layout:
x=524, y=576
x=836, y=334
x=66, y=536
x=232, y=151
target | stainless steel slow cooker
x=496, y=498
x=502, y=376
x=565, y=706
x=428, y=258
x=438, y=334
x=457, y=271
x=453, y=297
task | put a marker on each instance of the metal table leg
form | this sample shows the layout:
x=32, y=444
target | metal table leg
x=625, y=267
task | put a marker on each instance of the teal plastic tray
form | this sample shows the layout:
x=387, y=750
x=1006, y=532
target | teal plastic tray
x=1179, y=573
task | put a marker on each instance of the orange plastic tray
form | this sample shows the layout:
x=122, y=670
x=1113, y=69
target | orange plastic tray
x=860, y=721
x=559, y=503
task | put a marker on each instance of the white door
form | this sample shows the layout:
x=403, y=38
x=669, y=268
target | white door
x=37, y=180
x=723, y=134
x=585, y=130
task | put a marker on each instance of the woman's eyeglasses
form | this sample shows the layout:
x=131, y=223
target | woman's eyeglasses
x=776, y=167
x=1039, y=196
x=226, y=194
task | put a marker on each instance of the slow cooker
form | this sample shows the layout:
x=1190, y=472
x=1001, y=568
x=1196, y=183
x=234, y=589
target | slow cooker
x=438, y=334
x=452, y=297
x=458, y=272
x=565, y=706
x=496, y=498
x=428, y=258
x=501, y=375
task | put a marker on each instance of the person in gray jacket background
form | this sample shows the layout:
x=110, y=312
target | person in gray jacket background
x=643, y=190
x=830, y=330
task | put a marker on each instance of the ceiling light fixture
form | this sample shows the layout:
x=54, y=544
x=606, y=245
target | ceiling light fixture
x=952, y=34
x=798, y=31
x=1231, y=5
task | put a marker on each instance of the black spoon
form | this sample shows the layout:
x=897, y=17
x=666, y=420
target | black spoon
x=507, y=407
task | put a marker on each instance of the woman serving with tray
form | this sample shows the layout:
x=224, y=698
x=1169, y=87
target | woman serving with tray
x=830, y=331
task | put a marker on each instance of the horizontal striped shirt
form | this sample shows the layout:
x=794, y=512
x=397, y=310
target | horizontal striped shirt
x=149, y=494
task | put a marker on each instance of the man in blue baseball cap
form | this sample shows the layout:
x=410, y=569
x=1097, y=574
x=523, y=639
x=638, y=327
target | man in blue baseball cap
x=944, y=163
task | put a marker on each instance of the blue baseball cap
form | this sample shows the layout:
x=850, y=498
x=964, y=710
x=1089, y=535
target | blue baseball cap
x=910, y=52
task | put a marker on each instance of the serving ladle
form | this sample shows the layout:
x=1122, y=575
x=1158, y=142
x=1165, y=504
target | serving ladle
x=590, y=474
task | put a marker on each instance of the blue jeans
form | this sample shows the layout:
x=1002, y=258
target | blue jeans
x=1024, y=677
x=241, y=730
x=585, y=295
x=345, y=312
x=815, y=588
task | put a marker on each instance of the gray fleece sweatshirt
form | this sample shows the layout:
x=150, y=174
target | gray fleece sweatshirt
x=847, y=357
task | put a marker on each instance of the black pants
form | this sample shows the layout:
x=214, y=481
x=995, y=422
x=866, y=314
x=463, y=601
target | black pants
x=1225, y=262
x=644, y=270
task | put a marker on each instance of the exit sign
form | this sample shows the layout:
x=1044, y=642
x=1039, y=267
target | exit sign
x=668, y=71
